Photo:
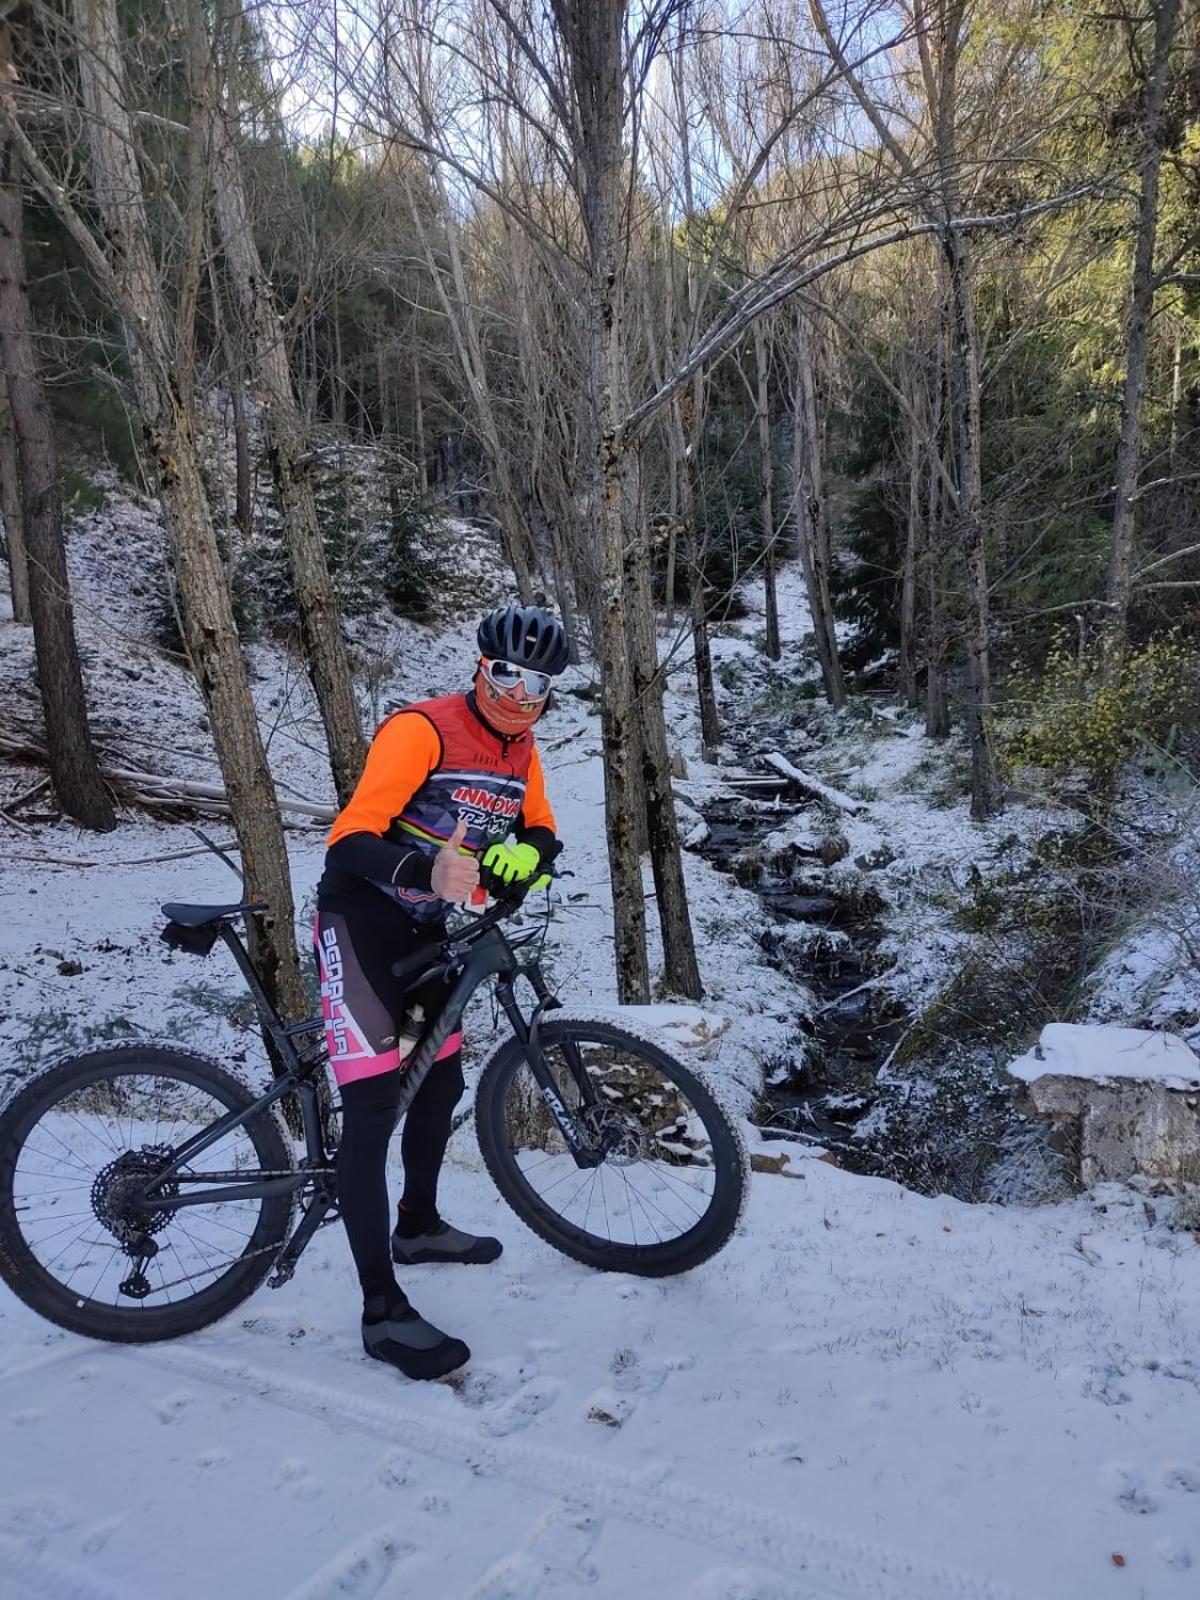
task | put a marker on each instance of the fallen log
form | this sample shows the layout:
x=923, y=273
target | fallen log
x=154, y=791
x=813, y=786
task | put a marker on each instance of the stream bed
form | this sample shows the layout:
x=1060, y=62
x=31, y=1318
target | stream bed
x=823, y=934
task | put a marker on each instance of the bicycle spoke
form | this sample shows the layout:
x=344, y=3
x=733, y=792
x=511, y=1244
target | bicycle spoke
x=78, y=1175
x=650, y=1135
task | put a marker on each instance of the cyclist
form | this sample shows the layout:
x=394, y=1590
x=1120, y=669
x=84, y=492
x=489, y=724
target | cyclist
x=445, y=783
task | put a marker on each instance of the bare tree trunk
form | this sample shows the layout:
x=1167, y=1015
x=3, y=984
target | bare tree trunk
x=681, y=975
x=908, y=581
x=767, y=508
x=419, y=427
x=674, y=467
x=162, y=361
x=816, y=550
x=243, y=509
x=706, y=696
x=287, y=447
x=937, y=703
x=593, y=39
x=1141, y=305
x=964, y=396
x=10, y=510
x=73, y=765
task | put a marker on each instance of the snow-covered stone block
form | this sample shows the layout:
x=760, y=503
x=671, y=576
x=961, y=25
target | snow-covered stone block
x=1130, y=1096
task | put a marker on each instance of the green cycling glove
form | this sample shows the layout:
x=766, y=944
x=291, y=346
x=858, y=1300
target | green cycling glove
x=507, y=864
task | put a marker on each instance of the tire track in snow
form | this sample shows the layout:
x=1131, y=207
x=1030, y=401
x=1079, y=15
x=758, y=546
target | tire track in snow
x=836, y=1566
x=44, y=1577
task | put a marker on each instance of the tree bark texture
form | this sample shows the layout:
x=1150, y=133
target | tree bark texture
x=812, y=515
x=72, y=758
x=287, y=448
x=685, y=430
x=681, y=974
x=10, y=510
x=964, y=402
x=908, y=578
x=767, y=508
x=1141, y=306
x=160, y=355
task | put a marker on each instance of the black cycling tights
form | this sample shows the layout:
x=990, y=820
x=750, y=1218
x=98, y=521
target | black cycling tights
x=368, y=1121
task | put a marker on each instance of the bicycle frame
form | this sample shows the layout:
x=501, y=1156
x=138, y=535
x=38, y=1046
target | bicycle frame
x=476, y=954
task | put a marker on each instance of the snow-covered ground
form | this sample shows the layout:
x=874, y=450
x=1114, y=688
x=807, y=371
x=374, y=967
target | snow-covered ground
x=869, y=1395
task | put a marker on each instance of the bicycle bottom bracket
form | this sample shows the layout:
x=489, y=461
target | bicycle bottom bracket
x=115, y=1197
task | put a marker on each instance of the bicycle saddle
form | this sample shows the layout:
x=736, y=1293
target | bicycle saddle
x=201, y=916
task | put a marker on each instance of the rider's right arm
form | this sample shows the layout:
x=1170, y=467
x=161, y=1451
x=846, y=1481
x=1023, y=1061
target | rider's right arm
x=402, y=755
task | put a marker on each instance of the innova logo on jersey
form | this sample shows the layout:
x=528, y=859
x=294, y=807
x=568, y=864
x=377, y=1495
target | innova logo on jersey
x=495, y=805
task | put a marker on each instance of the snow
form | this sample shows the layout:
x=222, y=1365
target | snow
x=1090, y=1050
x=869, y=1395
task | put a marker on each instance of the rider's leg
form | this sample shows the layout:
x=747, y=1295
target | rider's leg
x=368, y=1120
x=361, y=1033
x=423, y=1143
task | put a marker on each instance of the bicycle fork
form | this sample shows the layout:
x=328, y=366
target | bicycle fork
x=584, y=1150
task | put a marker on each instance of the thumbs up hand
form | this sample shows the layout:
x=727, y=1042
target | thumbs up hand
x=455, y=873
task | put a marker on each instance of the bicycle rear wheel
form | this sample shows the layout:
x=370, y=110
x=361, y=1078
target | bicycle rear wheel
x=78, y=1140
x=669, y=1186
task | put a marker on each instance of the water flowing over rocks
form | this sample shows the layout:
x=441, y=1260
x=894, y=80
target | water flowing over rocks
x=823, y=933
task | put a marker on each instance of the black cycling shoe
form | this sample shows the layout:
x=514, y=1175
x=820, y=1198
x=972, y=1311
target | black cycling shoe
x=404, y=1339
x=441, y=1242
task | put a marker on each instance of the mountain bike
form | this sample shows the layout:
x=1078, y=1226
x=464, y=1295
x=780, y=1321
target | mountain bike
x=145, y=1191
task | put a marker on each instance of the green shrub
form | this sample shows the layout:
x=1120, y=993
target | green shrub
x=1085, y=715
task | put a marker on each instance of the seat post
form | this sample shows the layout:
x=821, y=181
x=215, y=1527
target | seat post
x=266, y=1010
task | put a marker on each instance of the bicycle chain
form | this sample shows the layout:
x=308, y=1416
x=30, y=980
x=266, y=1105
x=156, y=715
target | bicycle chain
x=248, y=1255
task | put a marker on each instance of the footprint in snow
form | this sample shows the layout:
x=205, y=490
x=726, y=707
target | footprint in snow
x=171, y=1407
x=293, y=1474
x=26, y=1419
x=35, y=1515
x=1173, y=1554
x=395, y=1470
x=359, y=1570
x=610, y=1409
x=209, y=1460
x=96, y=1538
x=1179, y=1477
x=562, y=1540
x=518, y=1412
x=632, y=1375
x=1128, y=1487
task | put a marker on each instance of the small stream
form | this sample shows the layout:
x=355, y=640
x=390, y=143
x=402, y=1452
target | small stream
x=822, y=936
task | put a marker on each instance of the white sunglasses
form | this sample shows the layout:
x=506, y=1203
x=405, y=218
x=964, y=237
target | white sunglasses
x=505, y=675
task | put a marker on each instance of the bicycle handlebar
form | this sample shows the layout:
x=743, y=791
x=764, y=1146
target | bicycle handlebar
x=475, y=928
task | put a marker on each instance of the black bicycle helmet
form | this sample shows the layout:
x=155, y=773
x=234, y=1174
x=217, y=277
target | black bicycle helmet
x=527, y=635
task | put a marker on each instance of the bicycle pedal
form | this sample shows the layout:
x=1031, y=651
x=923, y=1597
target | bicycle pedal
x=280, y=1276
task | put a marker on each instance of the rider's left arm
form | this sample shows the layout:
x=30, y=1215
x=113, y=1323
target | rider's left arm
x=536, y=825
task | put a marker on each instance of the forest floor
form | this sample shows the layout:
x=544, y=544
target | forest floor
x=869, y=1395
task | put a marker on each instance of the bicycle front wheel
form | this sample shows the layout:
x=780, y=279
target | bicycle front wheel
x=670, y=1172
x=85, y=1137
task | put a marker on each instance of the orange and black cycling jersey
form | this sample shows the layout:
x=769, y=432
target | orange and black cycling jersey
x=429, y=766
